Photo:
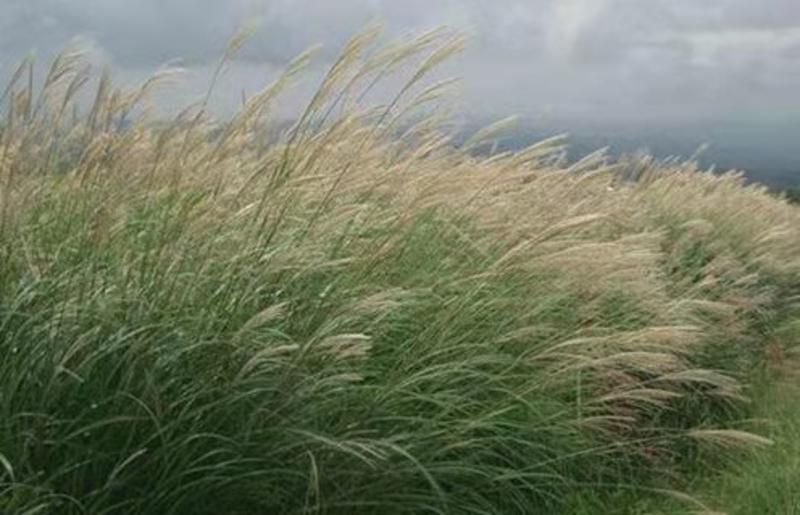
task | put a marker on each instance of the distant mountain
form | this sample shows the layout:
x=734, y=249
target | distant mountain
x=767, y=152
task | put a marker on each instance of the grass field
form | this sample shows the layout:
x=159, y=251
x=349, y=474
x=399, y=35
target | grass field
x=765, y=481
x=354, y=316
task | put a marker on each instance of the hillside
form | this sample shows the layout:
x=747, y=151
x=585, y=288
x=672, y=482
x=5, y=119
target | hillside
x=337, y=319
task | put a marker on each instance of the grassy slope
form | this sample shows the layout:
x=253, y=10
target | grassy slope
x=347, y=321
x=752, y=482
x=764, y=481
x=767, y=481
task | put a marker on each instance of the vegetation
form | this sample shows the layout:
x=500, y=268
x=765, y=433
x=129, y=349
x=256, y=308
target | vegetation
x=355, y=316
x=764, y=481
x=767, y=482
x=792, y=195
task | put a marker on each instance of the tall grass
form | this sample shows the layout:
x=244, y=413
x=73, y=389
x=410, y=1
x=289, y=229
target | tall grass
x=355, y=316
x=765, y=481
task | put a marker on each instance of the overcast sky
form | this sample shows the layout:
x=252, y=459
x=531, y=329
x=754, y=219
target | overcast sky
x=583, y=59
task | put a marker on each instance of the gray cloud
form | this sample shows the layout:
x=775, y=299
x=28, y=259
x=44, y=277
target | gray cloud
x=578, y=58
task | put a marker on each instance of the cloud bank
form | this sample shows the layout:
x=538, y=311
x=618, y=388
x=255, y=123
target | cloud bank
x=577, y=59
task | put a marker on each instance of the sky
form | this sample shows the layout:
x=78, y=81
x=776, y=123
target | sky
x=733, y=65
x=583, y=59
